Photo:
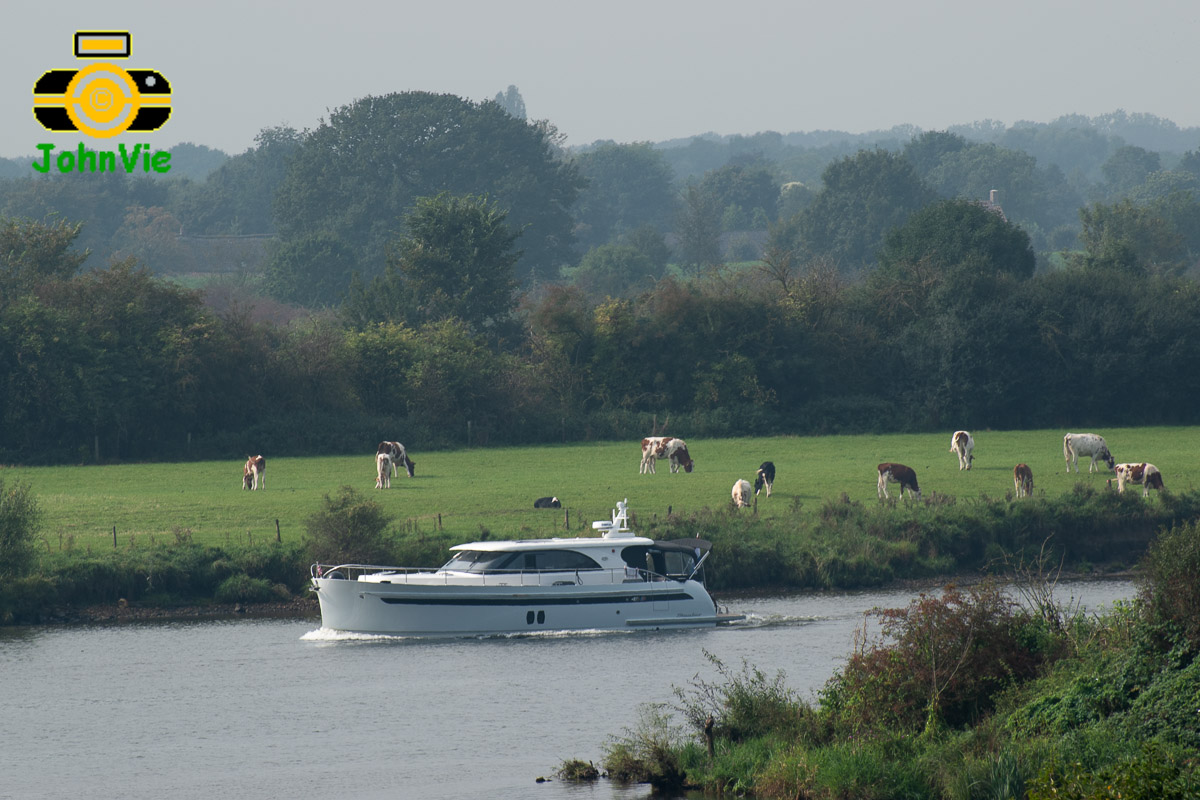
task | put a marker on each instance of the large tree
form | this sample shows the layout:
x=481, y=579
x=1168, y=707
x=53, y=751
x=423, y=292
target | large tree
x=628, y=185
x=953, y=234
x=748, y=194
x=358, y=173
x=864, y=196
x=699, y=229
x=236, y=198
x=455, y=260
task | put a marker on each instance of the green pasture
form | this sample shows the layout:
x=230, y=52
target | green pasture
x=469, y=492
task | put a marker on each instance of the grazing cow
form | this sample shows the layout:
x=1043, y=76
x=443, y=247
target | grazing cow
x=962, y=444
x=898, y=473
x=764, y=477
x=650, y=447
x=675, y=450
x=741, y=494
x=1145, y=474
x=1023, y=480
x=547, y=502
x=1086, y=444
x=383, y=471
x=398, y=455
x=254, y=473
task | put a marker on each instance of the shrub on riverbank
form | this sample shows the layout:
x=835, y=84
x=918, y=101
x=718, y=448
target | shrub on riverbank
x=168, y=575
x=967, y=696
x=849, y=544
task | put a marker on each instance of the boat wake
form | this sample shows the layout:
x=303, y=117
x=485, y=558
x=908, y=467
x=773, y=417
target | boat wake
x=754, y=620
x=327, y=635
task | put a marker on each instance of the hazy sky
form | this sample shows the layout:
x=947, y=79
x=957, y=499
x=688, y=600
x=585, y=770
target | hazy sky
x=624, y=70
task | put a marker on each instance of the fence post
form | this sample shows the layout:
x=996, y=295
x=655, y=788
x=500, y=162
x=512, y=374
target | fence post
x=114, y=537
x=277, y=537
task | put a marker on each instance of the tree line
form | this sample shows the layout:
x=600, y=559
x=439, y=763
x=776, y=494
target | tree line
x=955, y=329
x=457, y=276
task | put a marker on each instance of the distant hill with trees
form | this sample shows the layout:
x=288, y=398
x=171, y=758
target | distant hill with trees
x=464, y=264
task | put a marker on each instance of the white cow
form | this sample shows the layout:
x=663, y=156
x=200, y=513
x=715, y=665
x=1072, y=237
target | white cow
x=741, y=493
x=1086, y=444
x=383, y=471
x=1145, y=474
x=962, y=444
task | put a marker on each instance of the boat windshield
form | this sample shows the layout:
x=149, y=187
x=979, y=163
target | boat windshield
x=477, y=561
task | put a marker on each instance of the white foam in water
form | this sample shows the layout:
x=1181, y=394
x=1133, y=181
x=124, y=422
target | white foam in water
x=330, y=635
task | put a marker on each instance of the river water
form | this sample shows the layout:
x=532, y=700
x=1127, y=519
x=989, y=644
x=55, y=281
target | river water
x=258, y=709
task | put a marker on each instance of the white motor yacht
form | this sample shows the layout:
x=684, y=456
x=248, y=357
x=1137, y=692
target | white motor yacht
x=615, y=580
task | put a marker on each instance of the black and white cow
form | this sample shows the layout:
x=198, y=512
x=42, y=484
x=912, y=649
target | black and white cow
x=764, y=478
x=1023, y=480
x=963, y=444
x=398, y=455
x=1076, y=445
x=1147, y=475
x=254, y=473
x=897, y=473
x=547, y=502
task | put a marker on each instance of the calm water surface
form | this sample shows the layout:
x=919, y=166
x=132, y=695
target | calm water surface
x=250, y=710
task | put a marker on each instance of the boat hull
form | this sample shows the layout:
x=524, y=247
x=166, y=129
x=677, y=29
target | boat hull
x=449, y=610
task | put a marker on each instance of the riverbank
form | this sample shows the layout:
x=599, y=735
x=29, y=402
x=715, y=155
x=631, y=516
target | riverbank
x=302, y=607
x=1042, y=702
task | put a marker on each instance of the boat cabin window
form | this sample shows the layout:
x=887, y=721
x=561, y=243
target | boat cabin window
x=530, y=561
x=659, y=560
x=553, y=561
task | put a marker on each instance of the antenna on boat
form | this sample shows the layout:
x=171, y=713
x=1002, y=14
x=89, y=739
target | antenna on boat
x=620, y=521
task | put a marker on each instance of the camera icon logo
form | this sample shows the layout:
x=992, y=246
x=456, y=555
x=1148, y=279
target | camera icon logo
x=102, y=99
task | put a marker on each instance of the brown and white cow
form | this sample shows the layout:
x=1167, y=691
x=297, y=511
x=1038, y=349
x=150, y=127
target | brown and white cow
x=741, y=493
x=675, y=450
x=1023, y=480
x=650, y=446
x=897, y=473
x=963, y=444
x=384, y=467
x=1086, y=444
x=396, y=452
x=254, y=473
x=1147, y=475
